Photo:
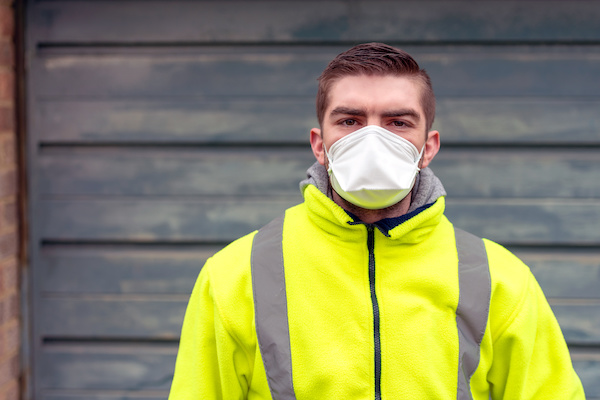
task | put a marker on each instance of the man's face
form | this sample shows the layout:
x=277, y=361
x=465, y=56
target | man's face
x=392, y=102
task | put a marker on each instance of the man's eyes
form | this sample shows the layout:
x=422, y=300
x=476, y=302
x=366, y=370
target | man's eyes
x=349, y=122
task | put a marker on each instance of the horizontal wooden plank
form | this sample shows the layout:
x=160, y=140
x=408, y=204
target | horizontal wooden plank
x=212, y=220
x=259, y=71
x=105, y=395
x=106, y=368
x=518, y=173
x=288, y=120
x=78, y=269
x=525, y=222
x=129, y=317
x=234, y=120
x=130, y=270
x=518, y=120
x=492, y=173
x=110, y=372
x=150, y=317
x=580, y=322
x=586, y=362
x=174, y=172
x=529, y=222
x=313, y=21
x=565, y=273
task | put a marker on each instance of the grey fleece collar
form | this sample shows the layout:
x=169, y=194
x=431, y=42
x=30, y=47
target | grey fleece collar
x=427, y=189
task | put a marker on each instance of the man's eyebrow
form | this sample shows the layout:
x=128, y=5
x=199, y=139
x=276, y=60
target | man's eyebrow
x=405, y=112
x=348, y=111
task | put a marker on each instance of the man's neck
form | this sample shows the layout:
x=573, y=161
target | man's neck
x=371, y=216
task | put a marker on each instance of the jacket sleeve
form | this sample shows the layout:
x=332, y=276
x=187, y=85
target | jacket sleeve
x=210, y=364
x=531, y=359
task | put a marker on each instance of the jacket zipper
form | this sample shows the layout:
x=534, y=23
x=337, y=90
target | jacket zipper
x=375, y=303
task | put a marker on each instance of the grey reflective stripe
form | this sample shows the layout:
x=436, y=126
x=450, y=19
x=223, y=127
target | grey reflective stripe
x=473, y=306
x=270, y=309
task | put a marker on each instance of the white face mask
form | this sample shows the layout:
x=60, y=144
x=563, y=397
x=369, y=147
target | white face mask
x=372, y=167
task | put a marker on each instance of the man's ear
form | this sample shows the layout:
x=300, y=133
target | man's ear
x=432, y=146
x=316, y=143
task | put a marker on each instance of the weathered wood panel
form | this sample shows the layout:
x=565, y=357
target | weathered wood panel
x=288, y=120
x=107, y=367
x=580, y=323
x=87, y=372
x=80, y=270
x=107, y=316
x=151, y=220
x=529, y=222
x=566, y=274
x=525, y=222
x=150, y=171
x=315, y=21
x=120, y=228
x=175, y=172
x=136, y=317
x=231, y=120
x=587, y=365
x=76, y=270
x=513, y=71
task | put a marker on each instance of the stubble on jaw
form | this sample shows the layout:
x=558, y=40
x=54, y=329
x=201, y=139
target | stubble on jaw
x=371, y=216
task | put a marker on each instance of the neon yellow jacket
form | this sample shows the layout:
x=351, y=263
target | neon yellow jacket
x=523, y=353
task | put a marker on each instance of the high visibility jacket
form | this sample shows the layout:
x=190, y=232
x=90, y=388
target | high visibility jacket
x=371, y=314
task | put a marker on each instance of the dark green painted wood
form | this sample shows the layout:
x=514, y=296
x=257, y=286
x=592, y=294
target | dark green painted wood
x=146, y=220
x=244, y=73
x=129, y=317
x=580, y=323
x=111, y=373
x=529, y=222
x=77, y=270
x=107, y=395
x=526, y=222
x=107, y=367
x=233, y=120
x=567, y=274
x=108, y=316
x=572, y=273
x=175, y=172
x=587, y=364
x=288, y=120
x=493, y=173
x=518, y=120
x=315, y=21
x=257, y=71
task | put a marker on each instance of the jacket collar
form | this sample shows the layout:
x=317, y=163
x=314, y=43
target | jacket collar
x=426, y=209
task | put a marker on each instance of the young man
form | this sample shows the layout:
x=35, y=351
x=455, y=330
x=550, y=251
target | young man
x=366, y=290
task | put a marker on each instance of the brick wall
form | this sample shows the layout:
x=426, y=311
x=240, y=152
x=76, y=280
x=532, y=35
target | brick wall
x=9, y=226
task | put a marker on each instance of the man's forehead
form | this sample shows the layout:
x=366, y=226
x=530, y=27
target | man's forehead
x=389, y=94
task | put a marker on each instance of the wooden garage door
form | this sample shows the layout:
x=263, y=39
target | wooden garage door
x=159, y=131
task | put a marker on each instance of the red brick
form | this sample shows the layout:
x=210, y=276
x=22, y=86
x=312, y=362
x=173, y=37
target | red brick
x=9, y=370
x=7, y=54
x=7, y=119
x=8, y=214
x=9, y=275
x=11, y=390
x=7, y=22
x=8, y=154
x=12, y=338
x=8, y=185
x=8, y=245
x=7, y=85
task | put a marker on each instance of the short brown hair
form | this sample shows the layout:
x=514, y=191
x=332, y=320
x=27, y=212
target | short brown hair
x=375, y=59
